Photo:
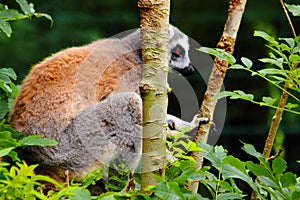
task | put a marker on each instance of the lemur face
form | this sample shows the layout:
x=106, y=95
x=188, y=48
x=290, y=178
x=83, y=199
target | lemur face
x=178, y=52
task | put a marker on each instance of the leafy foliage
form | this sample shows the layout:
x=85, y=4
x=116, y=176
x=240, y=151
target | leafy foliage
x=7, y=15
x=282, y=69
x=9, y=138
x=8, y=90
x=20, y=182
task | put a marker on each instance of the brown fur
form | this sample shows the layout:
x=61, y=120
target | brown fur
x=61, y=86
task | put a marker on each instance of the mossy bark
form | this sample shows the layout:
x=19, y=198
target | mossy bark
x=154, y=86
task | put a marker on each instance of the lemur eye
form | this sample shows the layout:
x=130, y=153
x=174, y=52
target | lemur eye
x=174, y=56
x=171, y=124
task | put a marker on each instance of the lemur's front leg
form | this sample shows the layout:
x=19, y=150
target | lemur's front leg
x=176, y=124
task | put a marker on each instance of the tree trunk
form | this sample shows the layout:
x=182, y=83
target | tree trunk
x=227, y=42
x=154, y=86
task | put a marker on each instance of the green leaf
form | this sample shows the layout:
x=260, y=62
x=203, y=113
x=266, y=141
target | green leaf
x=196, y=177
x=9, y=14
x=80, y=193
x=249, y=149
x=290, y=106
x=6, y=140
x=175, y=188
x=220, y=53
x=230, y=196
x=5, y=27
x=162, y=190
x=9, y=72
x=262, y=173
x=277, y=62
x=289, y=41
x=236, y=66
x=234, y=162
x=216, y=156
x=294, y=9
x=242, y=95
x=4, y=86
x=227, y=56
x=14, y=90
x=296, y=50
x=257, y=170
x=265, y=36
x=3, y=108
x=108, y=196
x=269, y=182
x=233, y=168
x=288, y=179
x=247, y=62
x=208, y=50
x=296, y=195
x=278, y=79
x=25, y=7
x=92, y=177
x=296, y=73
x=294, y=58
x=5, y=151
x=268, y=101
x=37, y=140
x=194, y=197
x=272, y=71
x=285, y=47
x=223, y=94
x=278, y=165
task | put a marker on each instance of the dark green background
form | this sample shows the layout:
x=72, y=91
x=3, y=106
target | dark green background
x=80, y=22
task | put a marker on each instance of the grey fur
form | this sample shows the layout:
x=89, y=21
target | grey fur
x=101, y=134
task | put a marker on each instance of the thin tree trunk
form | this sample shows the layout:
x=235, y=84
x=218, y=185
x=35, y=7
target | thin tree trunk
x=154, y=86
x=227, y=42
x=276, y=119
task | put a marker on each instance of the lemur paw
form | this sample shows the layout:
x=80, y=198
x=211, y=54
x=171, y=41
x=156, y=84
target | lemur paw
x=199, y=120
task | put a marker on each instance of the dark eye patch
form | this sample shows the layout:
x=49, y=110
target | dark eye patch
x=178, y=50
x=171, y=124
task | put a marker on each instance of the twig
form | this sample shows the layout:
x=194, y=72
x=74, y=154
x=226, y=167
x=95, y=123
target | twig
x=275, y=122
x=227, y=42
x=130, y=184
x=276, y=155
x=288, y=18
x=67, y=178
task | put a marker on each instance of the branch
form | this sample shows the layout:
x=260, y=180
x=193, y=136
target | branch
x=227, y=42
x=282, y=102
x=275, y=122
x=154, y=87
x=288, y=18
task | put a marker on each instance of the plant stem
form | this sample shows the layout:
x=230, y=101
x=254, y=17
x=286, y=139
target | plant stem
x=288, y=18
x=282, y=102
x=227, y=42
x=275, y=122
x=273, y=83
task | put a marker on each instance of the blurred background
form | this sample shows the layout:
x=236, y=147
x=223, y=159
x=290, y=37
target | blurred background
x=78, y=23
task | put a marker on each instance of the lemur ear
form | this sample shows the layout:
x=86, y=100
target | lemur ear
x=171, y=31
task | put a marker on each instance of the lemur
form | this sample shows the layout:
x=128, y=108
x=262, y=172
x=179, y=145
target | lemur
x=87, y=99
